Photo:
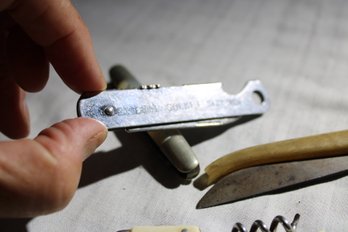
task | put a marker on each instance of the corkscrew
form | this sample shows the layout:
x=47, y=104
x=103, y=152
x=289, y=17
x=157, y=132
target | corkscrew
x=238, y=227
x=258, y=224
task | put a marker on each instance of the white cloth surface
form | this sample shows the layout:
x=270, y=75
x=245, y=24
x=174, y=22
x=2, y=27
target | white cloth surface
x=298, y=49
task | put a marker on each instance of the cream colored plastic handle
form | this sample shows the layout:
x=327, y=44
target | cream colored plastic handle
x=165, y=229
x=316, y=146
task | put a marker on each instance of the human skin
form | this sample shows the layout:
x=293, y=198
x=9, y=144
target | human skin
x=40, y=175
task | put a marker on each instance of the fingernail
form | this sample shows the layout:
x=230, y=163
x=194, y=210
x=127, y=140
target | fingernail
x=102, y=77
x=96, y=139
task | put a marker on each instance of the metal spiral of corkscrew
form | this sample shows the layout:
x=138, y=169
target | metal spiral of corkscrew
x=260, y=225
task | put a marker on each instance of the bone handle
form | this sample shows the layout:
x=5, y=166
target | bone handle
x=317, y=146
x=165, y=229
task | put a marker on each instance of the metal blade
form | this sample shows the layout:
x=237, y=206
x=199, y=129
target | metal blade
x=267, y=179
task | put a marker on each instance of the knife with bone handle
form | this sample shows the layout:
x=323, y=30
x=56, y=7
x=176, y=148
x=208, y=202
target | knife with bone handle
x=310, y=147
x=157, y=108
x=273, y=178
x=182, y=228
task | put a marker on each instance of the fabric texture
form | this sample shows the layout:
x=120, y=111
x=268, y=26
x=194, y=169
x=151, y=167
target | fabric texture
x=298, y=49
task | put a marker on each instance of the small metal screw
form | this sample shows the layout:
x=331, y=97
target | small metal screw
x=109, y=110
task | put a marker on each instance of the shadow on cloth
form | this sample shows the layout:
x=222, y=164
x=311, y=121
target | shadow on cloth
x=139, y=150
x=14, y=224
x=136, y=150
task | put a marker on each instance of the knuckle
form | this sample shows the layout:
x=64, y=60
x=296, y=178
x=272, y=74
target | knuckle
x=58, y=138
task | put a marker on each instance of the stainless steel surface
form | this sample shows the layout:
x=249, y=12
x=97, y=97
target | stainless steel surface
x=144, y=107
x=170, y=141
x=183, y=125
x=260, y=225
x=259, y=180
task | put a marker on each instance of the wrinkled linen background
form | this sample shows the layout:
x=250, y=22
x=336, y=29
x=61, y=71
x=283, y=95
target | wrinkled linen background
x=298, y=49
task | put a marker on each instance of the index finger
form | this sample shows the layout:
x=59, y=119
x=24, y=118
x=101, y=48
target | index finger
x=57, y=27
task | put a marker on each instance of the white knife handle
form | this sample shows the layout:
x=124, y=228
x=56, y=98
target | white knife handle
x=181, y=228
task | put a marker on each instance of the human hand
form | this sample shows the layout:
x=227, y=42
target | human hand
x=40, y=176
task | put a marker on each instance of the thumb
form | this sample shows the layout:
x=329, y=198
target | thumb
x=40, y=176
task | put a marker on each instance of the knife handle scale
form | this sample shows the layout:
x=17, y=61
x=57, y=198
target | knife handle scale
x=165, y=229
